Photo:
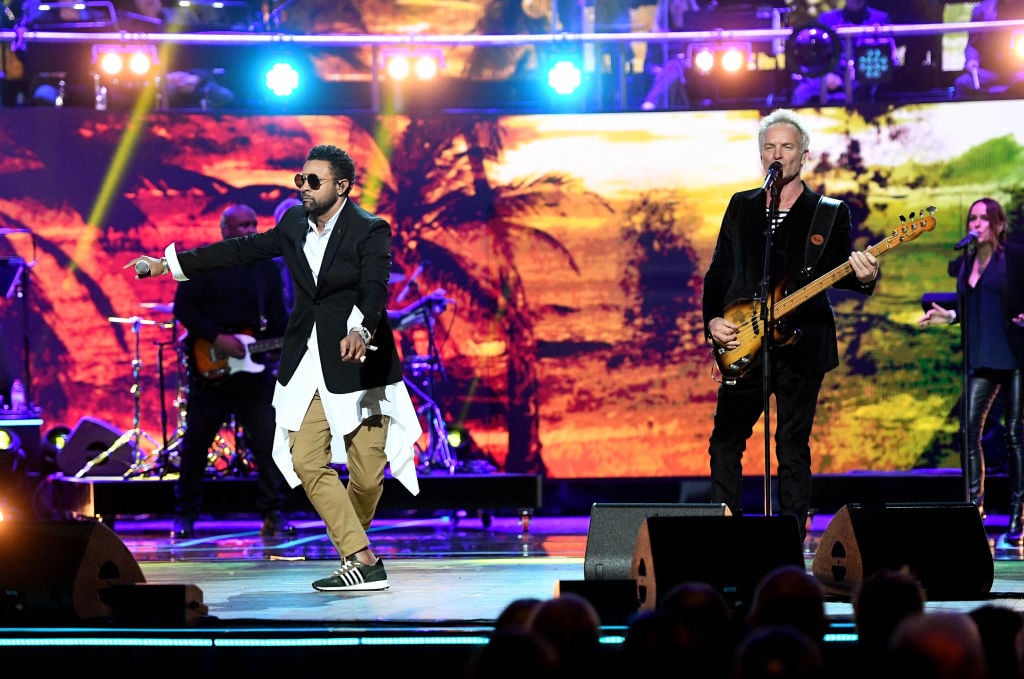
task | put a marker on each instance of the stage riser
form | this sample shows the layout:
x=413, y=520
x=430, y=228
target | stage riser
x=91, y=496
x=104, y=496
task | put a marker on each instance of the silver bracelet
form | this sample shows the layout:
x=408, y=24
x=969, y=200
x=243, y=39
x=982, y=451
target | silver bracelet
x=363, y=332
x=165, y=265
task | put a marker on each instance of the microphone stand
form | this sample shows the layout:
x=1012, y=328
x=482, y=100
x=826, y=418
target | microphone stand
x=767, y=322
x=961, y=289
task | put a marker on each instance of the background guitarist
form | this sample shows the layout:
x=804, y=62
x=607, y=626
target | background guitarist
x=735, y=273
x=213, y=307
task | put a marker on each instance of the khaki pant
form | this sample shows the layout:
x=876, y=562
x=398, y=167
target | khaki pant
x=347, y=511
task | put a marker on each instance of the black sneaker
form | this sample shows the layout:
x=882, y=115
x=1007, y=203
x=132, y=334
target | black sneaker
x=274, y=523
x=354, y=576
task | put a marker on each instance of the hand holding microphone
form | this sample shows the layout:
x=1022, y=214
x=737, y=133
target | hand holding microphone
x=144, y=266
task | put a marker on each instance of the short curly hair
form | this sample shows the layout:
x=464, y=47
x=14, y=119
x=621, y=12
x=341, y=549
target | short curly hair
x=340, y=161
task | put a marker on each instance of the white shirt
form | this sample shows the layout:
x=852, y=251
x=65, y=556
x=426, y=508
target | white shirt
x=345, y=412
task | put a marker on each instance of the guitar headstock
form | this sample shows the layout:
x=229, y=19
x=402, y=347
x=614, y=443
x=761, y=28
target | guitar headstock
x=912, y=226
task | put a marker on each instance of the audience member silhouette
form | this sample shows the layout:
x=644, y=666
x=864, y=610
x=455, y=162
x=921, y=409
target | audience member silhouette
x=778, y=652
x=514, y=653
x=789, y=595
x=572, y=625
x=883, y=599
x=709, y=630
x=937, y=645
x=1002, y=638
x=518, y=614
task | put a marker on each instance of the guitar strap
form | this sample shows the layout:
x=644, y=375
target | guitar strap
x=821, y=226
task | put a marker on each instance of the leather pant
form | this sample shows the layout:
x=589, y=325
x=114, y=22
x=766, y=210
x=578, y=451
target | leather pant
x=983, y=386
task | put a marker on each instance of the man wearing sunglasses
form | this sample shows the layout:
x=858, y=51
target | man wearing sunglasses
x=339, y=396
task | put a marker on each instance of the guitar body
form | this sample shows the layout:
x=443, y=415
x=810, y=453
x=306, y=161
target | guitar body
x=736, y=363
x=213, y=366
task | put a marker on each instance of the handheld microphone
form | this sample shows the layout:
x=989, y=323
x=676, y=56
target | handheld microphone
x=774, y=172
x=142, y=268
x=967, y=240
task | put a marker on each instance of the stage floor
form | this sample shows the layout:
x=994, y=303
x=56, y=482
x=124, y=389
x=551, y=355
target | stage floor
x=451, y=575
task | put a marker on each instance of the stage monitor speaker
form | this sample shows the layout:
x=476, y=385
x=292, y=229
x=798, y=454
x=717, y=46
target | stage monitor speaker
x=56, y=570
x=943, y=544
x=611, y=536
x=90, y=438
x=730, y=553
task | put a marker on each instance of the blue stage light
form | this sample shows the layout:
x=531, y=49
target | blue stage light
x=565, y=76
x=282, y=78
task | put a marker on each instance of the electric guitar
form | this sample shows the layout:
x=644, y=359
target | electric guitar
x=213, y=365
x=736, y=363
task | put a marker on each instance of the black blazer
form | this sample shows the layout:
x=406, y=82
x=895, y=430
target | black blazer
x=737, y=268
x=355, y=271
x=1012, y=293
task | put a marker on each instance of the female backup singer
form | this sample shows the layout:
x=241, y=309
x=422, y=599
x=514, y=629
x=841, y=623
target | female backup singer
x=990, y=296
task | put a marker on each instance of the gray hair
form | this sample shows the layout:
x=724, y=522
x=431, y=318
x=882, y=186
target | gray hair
x=788, y=117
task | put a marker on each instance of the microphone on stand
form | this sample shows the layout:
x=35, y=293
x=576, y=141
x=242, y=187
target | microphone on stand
x=967, y=240
x=774, y=172
x=142, y=268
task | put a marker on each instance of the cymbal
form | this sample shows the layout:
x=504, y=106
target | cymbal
x=158, y=307
x=6, y=230
x=135, y=320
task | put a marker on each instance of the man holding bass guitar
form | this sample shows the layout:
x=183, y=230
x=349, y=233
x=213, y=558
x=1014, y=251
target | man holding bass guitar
x=233, y=317
x=803, y=249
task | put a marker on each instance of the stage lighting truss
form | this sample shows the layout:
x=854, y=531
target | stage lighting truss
x=124, y=67
x=727, y=58
x=419, y=63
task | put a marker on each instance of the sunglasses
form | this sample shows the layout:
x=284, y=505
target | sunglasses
x=314, y=181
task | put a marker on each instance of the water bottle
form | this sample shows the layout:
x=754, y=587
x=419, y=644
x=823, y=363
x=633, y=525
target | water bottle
x=17, y=395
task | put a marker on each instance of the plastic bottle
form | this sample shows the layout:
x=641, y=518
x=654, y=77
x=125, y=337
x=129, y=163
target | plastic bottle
x=17, y=395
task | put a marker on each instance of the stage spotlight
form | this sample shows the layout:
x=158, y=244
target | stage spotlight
x=729, y=58
x=1017, y=45
x=57, y=437
x=282, y=79
x=421, y=63
x=119, y=70
x=12, y=470
x=873, y=60
x=565, y=77
x=458, y=440
x=131, y=62
x=812, y=51
x=10, y=442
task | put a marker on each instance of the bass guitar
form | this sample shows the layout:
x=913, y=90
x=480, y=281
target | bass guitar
x=214, y=365
x=737, y=362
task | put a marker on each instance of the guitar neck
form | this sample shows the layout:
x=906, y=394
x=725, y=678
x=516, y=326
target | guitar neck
x=788, y=304
x=260, y=346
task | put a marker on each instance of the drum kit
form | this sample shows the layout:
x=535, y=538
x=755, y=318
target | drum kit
x=228, y=454
x=148, y=456
x=423, y=373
